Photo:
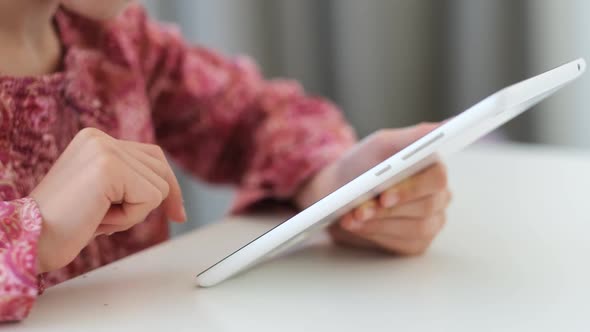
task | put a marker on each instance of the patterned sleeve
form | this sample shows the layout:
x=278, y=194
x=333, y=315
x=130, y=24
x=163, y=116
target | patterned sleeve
x=221, y=120
x=20, y=226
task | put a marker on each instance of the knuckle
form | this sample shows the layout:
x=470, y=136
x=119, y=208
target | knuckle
x=439, y=176
x=157, y=151
x=100, y=146
x=89, y=133
x=156, y=198
x=162, y=170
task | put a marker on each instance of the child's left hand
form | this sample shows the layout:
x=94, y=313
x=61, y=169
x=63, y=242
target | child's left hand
x=402, y=220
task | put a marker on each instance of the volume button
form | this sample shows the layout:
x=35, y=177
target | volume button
x=383, y=170
x=423, y=146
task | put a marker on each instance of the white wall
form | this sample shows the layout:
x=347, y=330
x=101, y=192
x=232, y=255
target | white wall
x=560, y=32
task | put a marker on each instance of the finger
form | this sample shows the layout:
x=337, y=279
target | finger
x=366, y=210
x=394, y=140
x=354, y=219
x=174, y=202
x=381, y=242
x=420, y=208
x=408, y=229
x=107, y=229
x=138, y=196
x=429, y=181
x=347, y=220
x=152, y=169
x=342, y=237
x=151, y=174
x=401, y=246
x=414, y=133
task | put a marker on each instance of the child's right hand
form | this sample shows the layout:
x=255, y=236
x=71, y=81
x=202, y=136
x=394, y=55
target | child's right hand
x=100, y=185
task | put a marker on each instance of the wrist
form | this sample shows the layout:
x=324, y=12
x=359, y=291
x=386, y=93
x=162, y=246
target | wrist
x=45, y=248
x=302, y=197
x=50, y=247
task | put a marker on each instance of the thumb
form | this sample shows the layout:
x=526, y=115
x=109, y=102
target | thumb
x=409, y=135
x=392, y=141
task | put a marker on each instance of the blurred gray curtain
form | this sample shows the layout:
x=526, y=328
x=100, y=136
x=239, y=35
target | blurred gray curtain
x=392, y=63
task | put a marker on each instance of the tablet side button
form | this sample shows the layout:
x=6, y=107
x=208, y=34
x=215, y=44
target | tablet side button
x=383, y=170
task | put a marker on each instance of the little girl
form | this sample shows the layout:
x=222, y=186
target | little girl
x=87, y=90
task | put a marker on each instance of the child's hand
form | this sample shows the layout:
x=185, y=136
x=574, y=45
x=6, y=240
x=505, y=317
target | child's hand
x=402, y=220
x=100, y=185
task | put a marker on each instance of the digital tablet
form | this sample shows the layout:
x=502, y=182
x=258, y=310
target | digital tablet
x=451, y=136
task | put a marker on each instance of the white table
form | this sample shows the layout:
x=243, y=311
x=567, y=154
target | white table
x=513, y=257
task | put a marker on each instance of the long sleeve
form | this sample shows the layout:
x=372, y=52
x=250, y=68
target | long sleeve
x=220, y=119
x=20, y=226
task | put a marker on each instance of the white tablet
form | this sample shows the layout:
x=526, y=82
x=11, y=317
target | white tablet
x=452, y=136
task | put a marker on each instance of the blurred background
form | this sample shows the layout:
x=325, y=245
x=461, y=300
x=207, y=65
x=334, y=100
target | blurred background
x=398, y=62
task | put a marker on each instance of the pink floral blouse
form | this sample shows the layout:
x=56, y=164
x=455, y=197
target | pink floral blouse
x=138, y=80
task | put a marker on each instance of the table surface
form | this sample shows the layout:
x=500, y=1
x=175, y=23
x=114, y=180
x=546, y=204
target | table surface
x=513, y=257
